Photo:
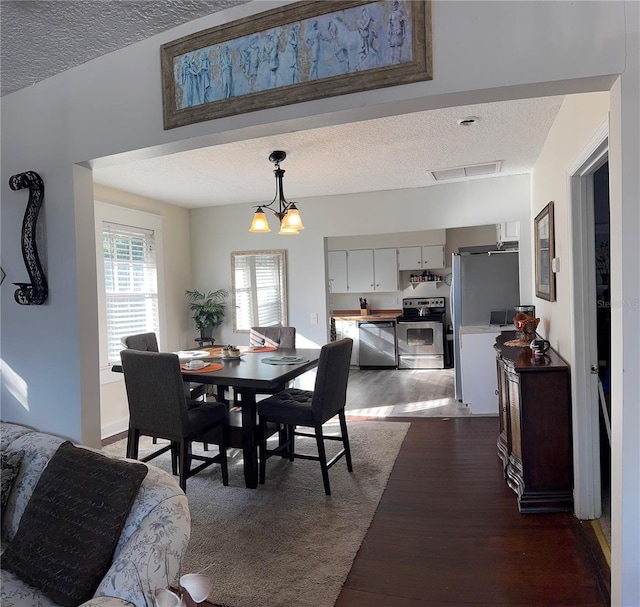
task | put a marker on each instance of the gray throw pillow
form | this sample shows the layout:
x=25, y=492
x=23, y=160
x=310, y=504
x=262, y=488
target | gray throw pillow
x=71, y=525
x=10, y=462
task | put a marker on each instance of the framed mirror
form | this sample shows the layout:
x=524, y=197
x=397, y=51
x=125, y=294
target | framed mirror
x=545, y=252
x=258, y=289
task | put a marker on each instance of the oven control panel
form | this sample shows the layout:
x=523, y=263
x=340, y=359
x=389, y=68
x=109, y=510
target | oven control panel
x=424, y=302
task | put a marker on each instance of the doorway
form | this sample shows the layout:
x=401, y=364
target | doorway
x=603, y=336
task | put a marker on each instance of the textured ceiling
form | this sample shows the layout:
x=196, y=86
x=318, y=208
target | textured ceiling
x=382, y=154
x=43, y=38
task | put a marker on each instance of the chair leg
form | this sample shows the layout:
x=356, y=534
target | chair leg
x=184, y=461
x=291, y=433
x=262, y=452
x=223, y=458
x=132, y=443
x=345, y=439
x=174, y=458
x=323, y=459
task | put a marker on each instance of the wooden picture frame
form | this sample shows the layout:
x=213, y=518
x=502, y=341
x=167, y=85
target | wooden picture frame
x=300, y=52
x=545, y=252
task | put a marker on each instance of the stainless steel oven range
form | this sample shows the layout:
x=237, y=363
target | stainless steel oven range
x=420, y=333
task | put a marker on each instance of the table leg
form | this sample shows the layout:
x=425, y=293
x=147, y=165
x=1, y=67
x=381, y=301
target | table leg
x=249, y=443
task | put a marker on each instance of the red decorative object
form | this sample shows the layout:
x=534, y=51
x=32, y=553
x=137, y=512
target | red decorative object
x=527, y=326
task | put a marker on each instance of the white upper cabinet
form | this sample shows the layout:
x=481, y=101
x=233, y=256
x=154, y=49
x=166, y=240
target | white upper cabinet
x=421, y=258
x=409, y=258
x=363, y=270
x=508, y=231
x=433, y=257
x=360, y=271
x=385, y=269
x=337, y=271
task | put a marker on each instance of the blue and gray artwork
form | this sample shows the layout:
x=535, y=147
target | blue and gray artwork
x=353, y=40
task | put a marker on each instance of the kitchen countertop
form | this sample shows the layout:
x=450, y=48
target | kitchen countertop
x=373, y=315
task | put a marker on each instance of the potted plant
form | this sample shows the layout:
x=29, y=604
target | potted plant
x=208, y=310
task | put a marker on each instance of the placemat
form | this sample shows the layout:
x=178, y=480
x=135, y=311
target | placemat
x=284, y=360
x=208, y=369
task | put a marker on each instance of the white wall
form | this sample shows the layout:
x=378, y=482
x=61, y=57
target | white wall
x=483, y=51
x=216, y=231
x=578, y=119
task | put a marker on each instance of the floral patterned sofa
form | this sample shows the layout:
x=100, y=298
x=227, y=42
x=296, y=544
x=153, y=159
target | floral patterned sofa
x=151, y=545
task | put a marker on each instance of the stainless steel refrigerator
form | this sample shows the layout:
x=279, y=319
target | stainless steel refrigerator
x=481, y=282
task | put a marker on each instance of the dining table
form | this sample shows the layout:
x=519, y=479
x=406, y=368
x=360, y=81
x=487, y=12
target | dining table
x=255, y=371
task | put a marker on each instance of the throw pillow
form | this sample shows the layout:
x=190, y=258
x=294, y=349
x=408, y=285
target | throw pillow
x=71, y=525
x=10, y=465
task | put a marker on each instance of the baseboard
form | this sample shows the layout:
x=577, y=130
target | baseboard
x=118, y=427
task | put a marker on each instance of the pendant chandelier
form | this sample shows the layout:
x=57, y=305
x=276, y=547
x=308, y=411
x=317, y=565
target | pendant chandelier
x=286, y=212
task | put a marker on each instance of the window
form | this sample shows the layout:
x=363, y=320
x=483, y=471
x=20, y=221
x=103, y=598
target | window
x=131, y=286
x=127, y=244
x=259, y=289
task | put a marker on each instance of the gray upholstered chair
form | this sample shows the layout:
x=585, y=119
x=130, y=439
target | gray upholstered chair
x=312, y=409
x=158, y=408
x=280, y=337
x=148, y=342
x=145, y=342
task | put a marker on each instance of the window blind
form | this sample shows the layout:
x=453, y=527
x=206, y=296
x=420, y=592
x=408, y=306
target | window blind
x=131, y=285
x=259, y=292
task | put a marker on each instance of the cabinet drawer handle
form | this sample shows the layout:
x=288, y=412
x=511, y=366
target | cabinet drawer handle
x=497, y=393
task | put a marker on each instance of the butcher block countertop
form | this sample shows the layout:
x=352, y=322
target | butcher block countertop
x=373, y=314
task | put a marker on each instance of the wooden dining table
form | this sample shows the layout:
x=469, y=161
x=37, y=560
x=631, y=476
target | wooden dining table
x=249, y=376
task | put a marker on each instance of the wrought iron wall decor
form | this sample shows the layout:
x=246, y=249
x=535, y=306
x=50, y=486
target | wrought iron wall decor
x=32, y=293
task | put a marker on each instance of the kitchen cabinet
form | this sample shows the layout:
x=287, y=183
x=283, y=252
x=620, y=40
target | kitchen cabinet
x=372, y=270
x=421, y=258
x=337, y=271
x=349, y=328
x=385, y=270
x=360, y=271
x=508, y=231
x=535, y=442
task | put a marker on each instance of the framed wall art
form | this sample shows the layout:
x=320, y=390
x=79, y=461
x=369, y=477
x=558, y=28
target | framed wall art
x=545, y=252
x=300, y=52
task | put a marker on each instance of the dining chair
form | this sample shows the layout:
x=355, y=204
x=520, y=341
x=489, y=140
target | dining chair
x=148, y=342
x=280, y=337
x=158, y=408
x=312, y=408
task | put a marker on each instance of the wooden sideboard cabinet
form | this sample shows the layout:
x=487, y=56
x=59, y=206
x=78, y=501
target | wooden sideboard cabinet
x=535, y=443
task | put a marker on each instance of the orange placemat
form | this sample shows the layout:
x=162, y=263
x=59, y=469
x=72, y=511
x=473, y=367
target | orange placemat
x=208, y=369
x=264, y=349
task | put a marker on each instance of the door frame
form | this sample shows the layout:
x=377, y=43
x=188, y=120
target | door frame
x=584, y=383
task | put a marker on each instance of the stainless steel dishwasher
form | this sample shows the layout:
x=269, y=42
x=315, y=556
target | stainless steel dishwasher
x=377, y=343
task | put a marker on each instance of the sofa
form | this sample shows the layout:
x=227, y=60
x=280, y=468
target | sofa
x=150, y=546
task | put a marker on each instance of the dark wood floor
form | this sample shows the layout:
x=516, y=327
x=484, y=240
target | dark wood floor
x=448, y=532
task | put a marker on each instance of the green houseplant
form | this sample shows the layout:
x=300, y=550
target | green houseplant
x=208, y=309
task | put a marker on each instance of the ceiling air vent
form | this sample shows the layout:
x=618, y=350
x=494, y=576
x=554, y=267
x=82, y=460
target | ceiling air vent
x=475, y=170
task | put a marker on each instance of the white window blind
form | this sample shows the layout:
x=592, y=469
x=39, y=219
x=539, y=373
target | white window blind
x=131, y=285
x=259, y=291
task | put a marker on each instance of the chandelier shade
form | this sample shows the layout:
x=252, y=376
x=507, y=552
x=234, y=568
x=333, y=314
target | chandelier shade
x=286, y=212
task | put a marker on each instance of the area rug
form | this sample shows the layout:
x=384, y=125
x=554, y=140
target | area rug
x=286, y=542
